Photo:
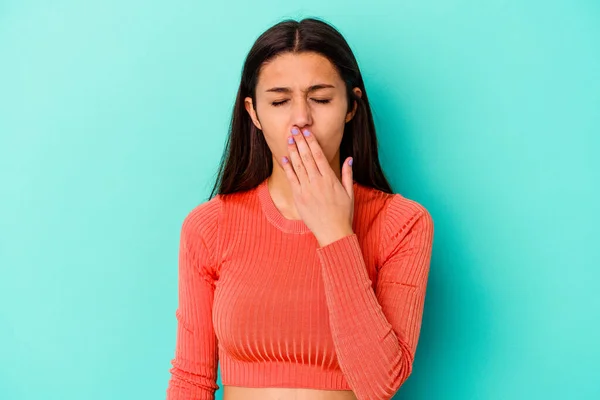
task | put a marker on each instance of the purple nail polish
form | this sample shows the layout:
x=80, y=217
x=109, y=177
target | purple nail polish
x=295, y=131
x=306, y=132
x=350, y=162
x=291, y=140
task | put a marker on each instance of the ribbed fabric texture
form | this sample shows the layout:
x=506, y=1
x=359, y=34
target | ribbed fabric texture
x=260, y=298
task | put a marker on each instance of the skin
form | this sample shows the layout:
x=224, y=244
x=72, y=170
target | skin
x=311, y=186
x=314, y=189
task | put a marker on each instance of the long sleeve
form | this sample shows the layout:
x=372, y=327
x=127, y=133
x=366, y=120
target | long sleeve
x=375, y=332
x=194, y=368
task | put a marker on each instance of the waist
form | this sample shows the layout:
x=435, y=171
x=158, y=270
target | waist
x=282, y=375
x=279, y=393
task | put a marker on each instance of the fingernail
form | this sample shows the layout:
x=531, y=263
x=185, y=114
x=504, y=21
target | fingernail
x=306, y=132
x=350, y=162
x=291, y=140
x=295, y=131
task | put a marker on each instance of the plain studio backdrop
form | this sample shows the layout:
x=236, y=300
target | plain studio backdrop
x=113, y=118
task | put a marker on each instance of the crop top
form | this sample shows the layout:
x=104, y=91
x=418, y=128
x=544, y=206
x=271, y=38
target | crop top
x=260, y=298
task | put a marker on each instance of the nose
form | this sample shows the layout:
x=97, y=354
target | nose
x=301, y=114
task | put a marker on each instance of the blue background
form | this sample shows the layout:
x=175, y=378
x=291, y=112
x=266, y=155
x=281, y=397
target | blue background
x=113, y=118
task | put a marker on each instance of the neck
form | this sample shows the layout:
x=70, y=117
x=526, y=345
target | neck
x=281, y=190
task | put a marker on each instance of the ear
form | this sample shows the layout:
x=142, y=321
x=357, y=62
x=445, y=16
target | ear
x=350, y=115
x=250, y=108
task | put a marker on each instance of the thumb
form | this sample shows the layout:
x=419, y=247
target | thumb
x=347, y=177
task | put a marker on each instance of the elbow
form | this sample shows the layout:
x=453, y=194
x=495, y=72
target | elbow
x=403, y=371
x=406, y=370
x=189, y=386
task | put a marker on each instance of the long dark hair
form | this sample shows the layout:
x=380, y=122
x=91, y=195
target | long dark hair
x=247, y=159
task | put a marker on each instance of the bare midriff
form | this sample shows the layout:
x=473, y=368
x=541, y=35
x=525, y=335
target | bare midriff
x=250, y=393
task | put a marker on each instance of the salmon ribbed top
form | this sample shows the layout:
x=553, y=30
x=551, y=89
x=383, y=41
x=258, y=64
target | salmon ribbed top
x=259, y=297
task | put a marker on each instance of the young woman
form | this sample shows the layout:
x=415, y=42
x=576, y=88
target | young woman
x=304, y=277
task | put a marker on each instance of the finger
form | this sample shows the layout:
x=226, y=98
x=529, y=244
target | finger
x=290, y=173
x=321, y=164
x=305, y=152
x=347, y=177
x=296, y=161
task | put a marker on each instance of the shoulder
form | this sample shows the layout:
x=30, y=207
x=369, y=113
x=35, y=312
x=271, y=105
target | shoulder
x=204, y=217
x=400, y=209
x=390, y=208
x=201, y=223
x=404, y=217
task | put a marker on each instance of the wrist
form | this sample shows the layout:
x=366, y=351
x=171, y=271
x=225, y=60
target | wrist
x=334, y=236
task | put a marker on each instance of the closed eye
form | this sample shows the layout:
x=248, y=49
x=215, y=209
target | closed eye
x=320, y=101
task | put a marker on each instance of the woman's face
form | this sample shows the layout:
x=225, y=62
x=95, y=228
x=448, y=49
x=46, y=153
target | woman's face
x=302, y=90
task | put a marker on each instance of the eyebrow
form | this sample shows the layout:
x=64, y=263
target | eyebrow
x=310, y=89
